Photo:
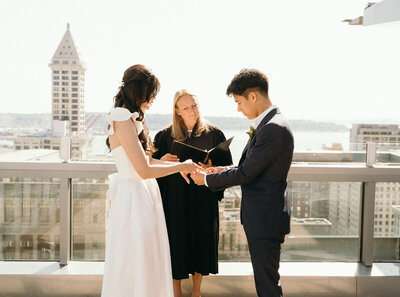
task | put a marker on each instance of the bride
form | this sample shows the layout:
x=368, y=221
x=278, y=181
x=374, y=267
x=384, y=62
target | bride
x=137, y=260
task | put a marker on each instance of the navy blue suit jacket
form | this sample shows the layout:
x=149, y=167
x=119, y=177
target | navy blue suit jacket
x=262, y=174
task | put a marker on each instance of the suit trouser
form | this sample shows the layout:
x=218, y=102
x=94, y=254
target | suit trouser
x=265, y=255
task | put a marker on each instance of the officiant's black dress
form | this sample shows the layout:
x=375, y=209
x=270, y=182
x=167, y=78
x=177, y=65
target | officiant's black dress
x=191, y=211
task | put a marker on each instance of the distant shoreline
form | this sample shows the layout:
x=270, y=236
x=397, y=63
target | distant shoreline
x=159, y=121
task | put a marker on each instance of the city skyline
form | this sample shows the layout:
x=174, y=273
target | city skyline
x=306, y=51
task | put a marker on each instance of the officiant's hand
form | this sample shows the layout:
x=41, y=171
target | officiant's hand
x=198, y=178
x=205, y=166
x=170, y=158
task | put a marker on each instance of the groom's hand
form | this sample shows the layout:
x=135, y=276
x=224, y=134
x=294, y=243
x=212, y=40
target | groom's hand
x=216, y=169
x=198, y=178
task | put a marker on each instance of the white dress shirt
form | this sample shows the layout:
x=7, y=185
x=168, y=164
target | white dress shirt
x=255, y=124
x=258, y=120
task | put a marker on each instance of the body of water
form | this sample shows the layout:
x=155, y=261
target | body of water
x=304, y=141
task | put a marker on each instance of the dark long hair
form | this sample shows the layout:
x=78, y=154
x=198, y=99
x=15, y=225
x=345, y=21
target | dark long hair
x=139, y=85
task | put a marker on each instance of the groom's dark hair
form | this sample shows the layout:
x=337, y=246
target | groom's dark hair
x=248, y=80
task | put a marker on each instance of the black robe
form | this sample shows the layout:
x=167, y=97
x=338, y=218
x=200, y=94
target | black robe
x=191, y=211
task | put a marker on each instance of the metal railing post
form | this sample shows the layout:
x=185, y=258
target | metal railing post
x=65, y=221
x=367, y=224
x=368, y=212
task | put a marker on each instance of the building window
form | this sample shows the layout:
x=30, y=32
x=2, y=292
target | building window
x=74, y=72
x=26, y=210
x=65, y=95
x=65, y=62
x=74, y=83
x=9, y=211
x=44, y=211
x=55, y=95
x=56, y=71
x=56, y=83
x=74, y=95
x=65, y=72
x=74, y=78
x=74, y=89
x=65, y=100
x=74, y=106
x=65, y=83
x=74, y=101
x=65, y=78
x=65, y=89
x=56, y=77
x=56, y=118
x=56, y=100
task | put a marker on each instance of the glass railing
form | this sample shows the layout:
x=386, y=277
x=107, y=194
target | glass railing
x=56, y=211
x=29, y=218
x=88, y=210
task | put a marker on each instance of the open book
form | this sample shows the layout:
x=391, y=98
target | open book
x=185, y=151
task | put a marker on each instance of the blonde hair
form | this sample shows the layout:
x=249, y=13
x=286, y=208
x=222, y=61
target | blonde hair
x=178, y=129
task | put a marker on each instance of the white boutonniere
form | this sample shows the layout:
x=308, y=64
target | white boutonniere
x=252, y=131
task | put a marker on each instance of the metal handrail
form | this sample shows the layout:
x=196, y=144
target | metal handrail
x=358, y=172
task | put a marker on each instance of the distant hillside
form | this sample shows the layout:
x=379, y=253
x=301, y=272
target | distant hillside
x=18, y=120
x=159, y=121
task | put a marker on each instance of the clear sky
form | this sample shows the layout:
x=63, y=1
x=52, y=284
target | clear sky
x=319, y=67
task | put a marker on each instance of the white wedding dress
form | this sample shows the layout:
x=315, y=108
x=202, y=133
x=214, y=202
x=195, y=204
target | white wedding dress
x=137, y=260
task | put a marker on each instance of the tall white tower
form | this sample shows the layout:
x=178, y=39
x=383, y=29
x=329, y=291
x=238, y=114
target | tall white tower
x=68, y=85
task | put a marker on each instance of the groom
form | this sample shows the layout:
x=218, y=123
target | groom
x=262, y=173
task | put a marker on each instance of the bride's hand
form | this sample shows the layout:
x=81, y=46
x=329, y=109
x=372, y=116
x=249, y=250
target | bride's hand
x=188, y=167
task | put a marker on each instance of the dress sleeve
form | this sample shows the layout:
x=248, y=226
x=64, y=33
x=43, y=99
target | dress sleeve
x=120, y=114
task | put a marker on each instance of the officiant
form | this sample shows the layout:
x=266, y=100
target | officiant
x=191, y=212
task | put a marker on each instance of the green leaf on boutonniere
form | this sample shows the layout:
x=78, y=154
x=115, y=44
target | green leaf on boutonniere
x=251, y=132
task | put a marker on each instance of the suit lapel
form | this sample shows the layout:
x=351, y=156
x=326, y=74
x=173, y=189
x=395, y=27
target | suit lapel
x=265, y=120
